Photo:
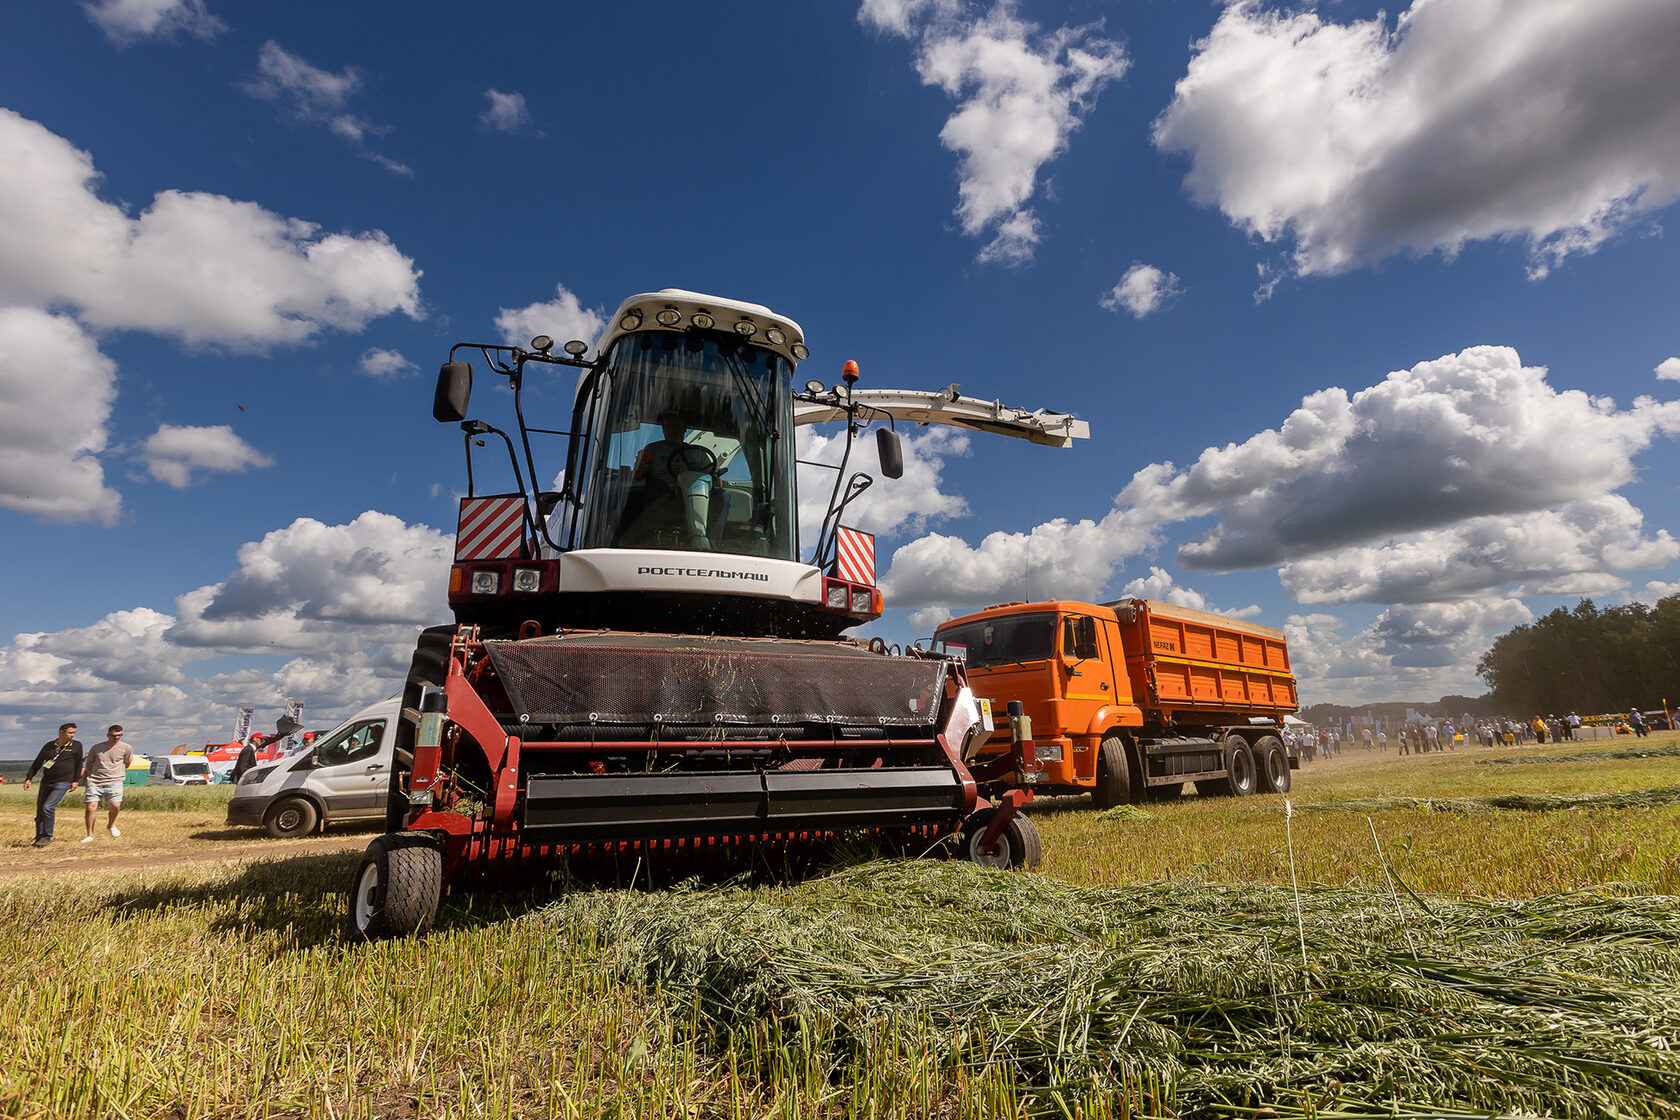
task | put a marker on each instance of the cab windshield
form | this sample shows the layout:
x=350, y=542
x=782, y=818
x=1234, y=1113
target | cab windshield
x=1002, y=641
x=690, y=448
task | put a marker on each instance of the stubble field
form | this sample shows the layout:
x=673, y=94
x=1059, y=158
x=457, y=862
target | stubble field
x=1366, y=954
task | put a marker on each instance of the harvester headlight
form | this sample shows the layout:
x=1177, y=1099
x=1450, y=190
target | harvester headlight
x=542, y=344
x=702, y=320
x=630, y=320
x=815, y=386
x=669, y=317
x=526, y=579
x=746, y=328
x=836, y=596
x=862, y=600
x=576, y=347
x=799, y=352
x=775, y=335
x=486, y=582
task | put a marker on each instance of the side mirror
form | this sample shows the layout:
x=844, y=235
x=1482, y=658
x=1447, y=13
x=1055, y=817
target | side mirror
x=890, y=452
x=454, y=389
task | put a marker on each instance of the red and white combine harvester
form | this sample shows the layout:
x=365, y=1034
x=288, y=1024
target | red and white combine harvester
x=643, y=672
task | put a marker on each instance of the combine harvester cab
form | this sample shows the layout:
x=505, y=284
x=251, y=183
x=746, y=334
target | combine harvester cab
x=644, y=677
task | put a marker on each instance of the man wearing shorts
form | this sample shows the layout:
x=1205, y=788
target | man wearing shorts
x=107, y=766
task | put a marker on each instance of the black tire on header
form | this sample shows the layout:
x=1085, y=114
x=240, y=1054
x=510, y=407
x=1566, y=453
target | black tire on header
x=429, y=668
x=396, y=889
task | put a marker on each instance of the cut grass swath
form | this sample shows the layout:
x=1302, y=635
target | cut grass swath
x=1596, y=756
x=1182, y=998
x=1533, y=802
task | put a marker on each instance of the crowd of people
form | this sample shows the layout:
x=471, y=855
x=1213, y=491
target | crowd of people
x=1433, y=736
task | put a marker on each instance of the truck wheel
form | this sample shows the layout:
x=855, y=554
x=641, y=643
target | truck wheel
x=430, y=667
x=292, y=817
x=1274, y=764
x=1018, y=845
x=396, y=889
x=1240, y=779
x=1114, y=778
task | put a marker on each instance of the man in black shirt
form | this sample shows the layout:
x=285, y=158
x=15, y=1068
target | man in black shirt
x=60, y=766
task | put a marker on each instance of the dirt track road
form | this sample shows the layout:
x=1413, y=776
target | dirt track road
x=67, y=854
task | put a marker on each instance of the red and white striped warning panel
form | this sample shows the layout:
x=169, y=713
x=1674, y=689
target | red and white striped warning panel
x=856, y=559
x=491, y=528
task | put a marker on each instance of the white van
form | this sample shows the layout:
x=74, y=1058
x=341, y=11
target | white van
x=344, y=776
x=180, y=770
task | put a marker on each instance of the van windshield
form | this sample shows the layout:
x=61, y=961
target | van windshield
x=1000, y=641
x=192, y=768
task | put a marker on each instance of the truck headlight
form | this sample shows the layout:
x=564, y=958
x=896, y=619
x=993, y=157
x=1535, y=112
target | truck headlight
x=1048, y=752
x=486, y=582
x=835, y=596
x=526, y=579
x=862, y=600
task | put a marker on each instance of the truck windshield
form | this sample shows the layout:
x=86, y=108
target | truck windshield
x=691, y=448
x=999, y=641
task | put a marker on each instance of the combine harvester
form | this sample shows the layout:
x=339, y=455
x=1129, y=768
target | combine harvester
x=644, y=675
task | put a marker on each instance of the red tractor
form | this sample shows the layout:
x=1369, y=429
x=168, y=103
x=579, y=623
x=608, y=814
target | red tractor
x=643, y=673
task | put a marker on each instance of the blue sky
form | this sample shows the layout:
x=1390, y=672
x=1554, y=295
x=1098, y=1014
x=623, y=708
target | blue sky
x=1372, y=315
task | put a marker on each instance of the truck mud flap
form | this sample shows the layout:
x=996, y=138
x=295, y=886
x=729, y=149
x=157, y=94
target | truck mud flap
x=591, y=807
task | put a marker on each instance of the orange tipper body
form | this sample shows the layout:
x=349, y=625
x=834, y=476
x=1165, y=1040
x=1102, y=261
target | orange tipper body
x=1176, y=691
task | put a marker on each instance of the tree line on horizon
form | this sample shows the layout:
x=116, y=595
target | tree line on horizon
x=1583, y=659
x=1588, y=659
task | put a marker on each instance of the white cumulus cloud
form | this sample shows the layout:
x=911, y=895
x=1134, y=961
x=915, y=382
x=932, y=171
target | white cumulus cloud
x=1550, y=122
x=385, y=365
x=56, y=390
x=202, y=268
x=505, y=113
x=889, y=506
x=310, y=578
x=127, y=21
x=1467, y=435
x=1668, y=369
x=562, y=318
x=1021, y=94
x=1576, y=549
x=1143, y=290
x=174, y=454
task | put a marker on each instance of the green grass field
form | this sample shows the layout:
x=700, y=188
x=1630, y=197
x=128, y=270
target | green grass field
x=1158, y=965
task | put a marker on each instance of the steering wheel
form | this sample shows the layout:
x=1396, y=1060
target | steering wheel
x=679, y=461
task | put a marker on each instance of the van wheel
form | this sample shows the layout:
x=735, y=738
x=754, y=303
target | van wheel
x=1018, y=845
x=291, y=817
x=1240, y=780
x=1273, y=763
x=396, y=889
x=1114, y=779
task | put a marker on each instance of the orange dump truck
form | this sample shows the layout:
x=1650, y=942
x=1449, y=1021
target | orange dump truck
x=1134, y=698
